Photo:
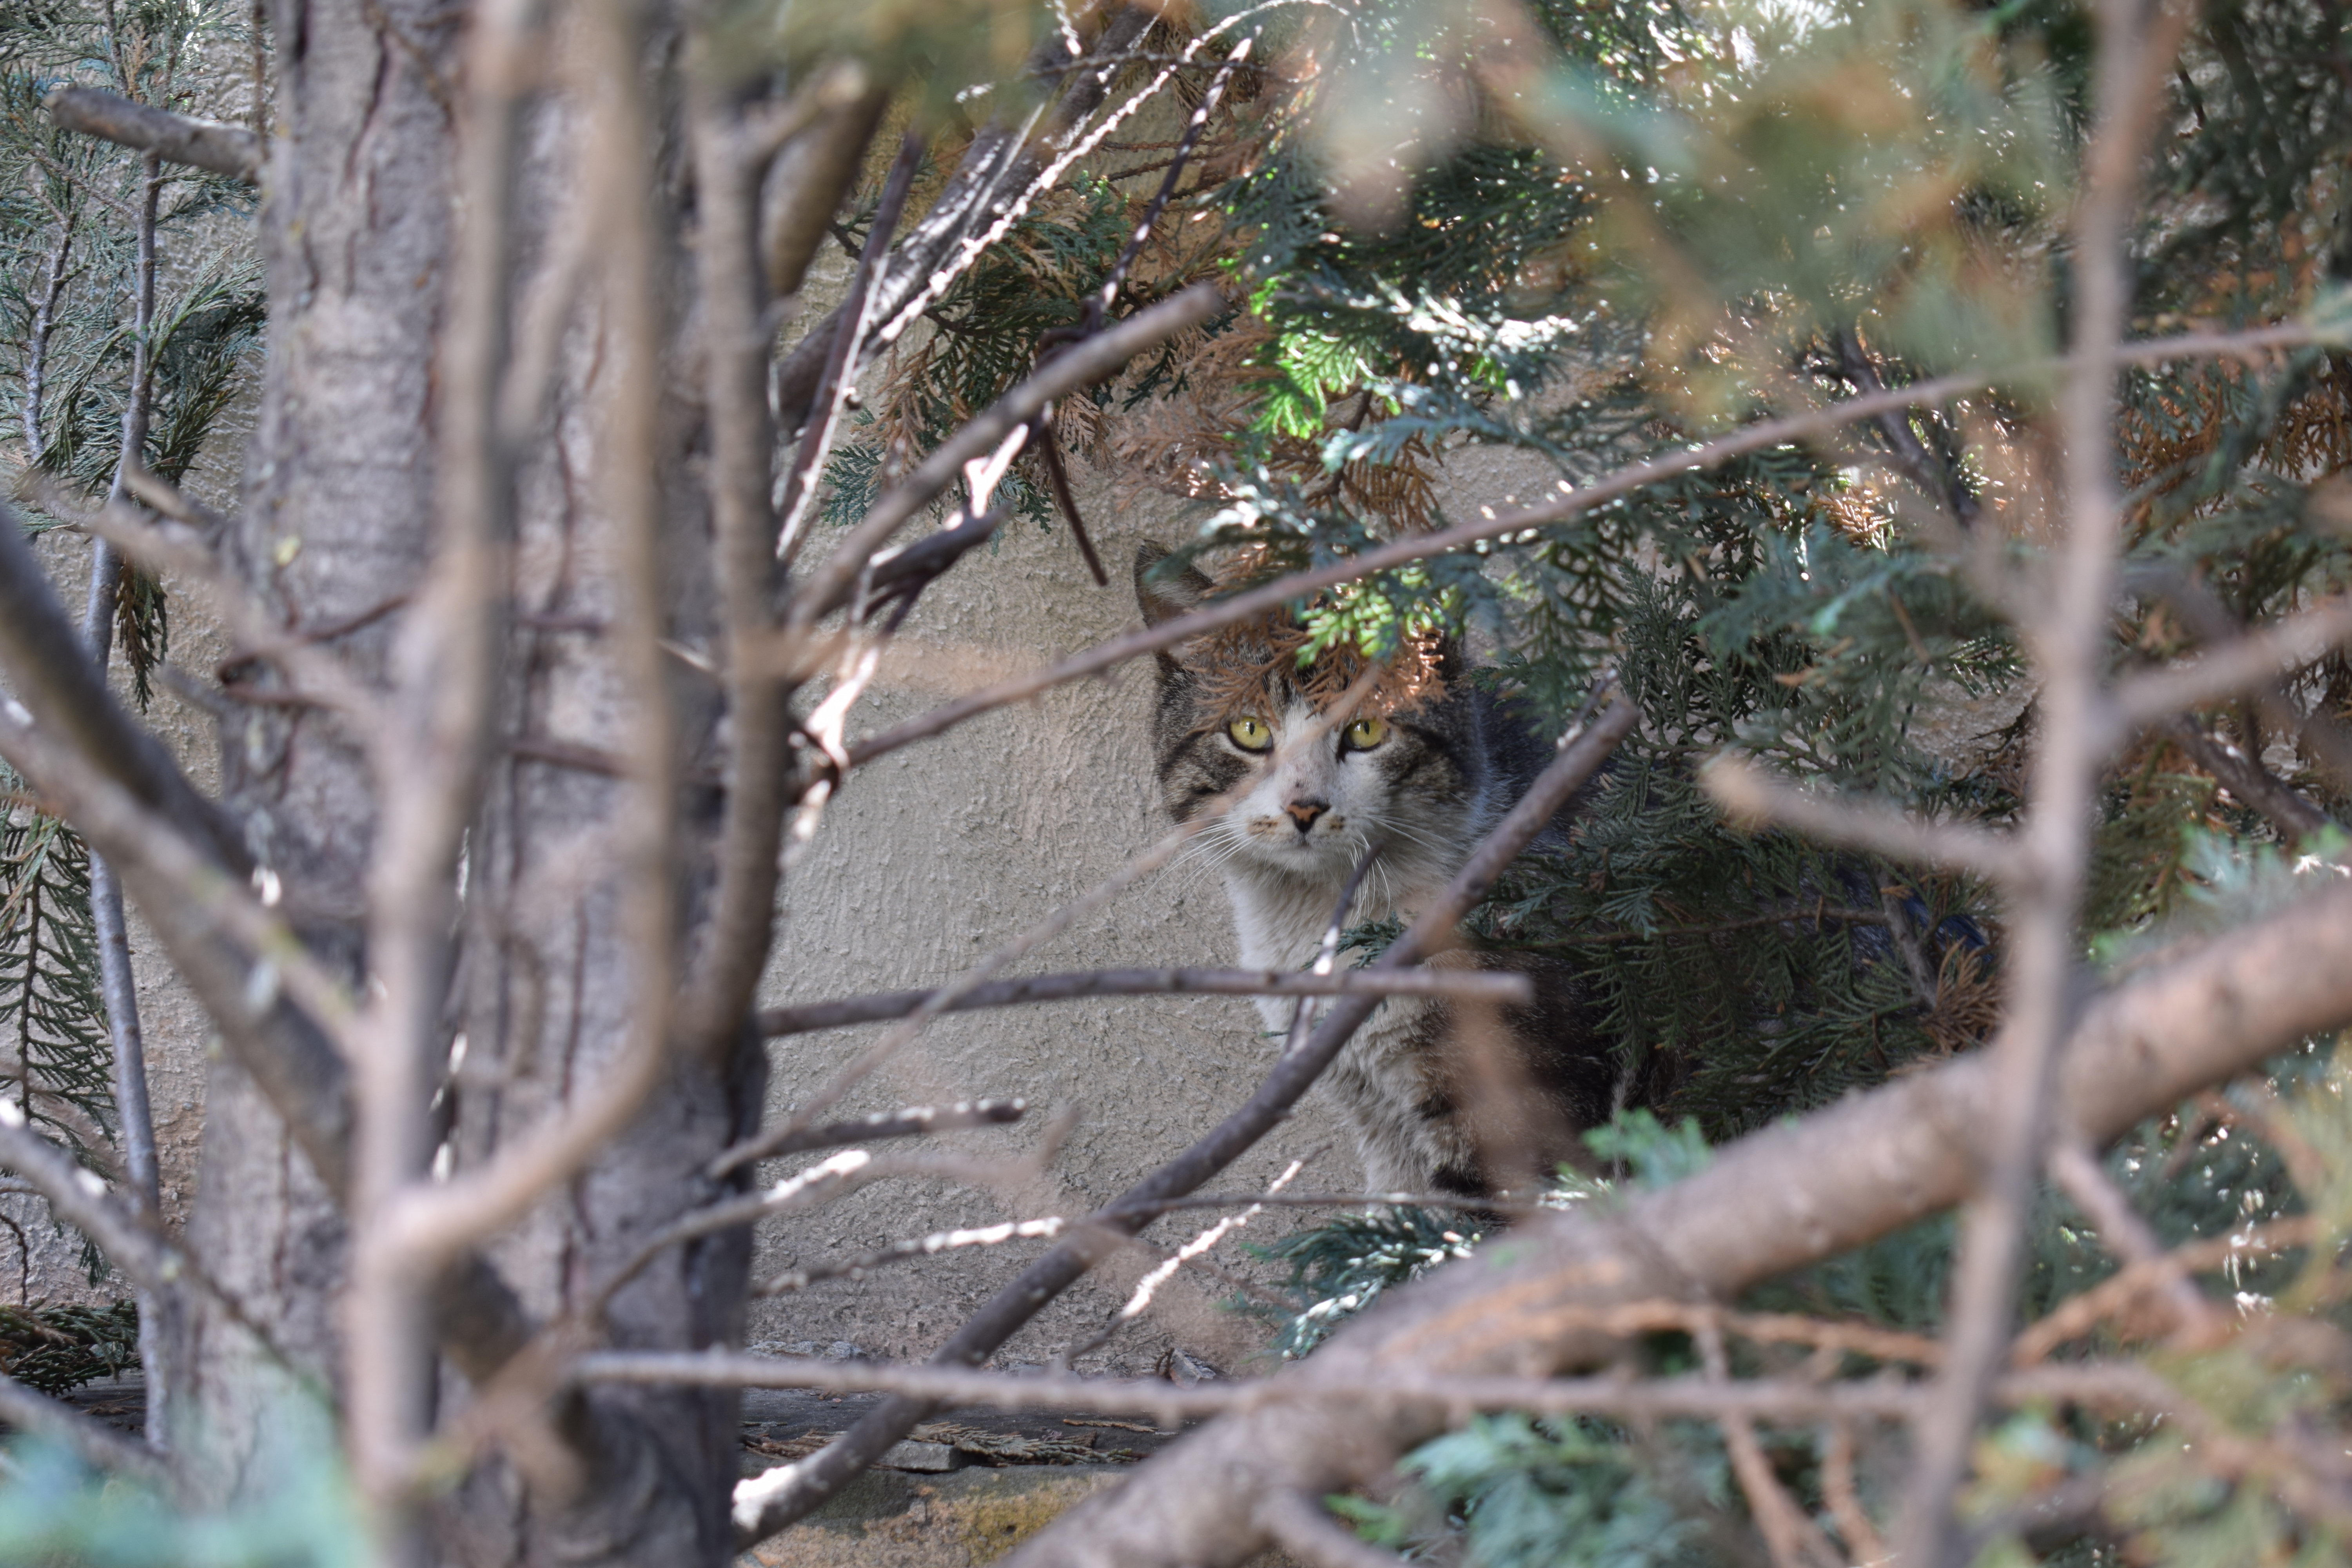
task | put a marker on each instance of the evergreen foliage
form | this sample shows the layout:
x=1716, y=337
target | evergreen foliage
x=70, y=279
x=69, y=264
x=54, y=1349
x=58, y=1073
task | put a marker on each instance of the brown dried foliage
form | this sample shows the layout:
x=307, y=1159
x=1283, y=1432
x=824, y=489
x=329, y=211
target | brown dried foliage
x=1243, y=669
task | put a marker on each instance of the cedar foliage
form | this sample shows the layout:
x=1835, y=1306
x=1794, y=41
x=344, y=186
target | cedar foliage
x=69, y=259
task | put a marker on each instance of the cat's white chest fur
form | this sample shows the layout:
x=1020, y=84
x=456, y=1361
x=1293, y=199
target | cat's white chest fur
x=1281, y=921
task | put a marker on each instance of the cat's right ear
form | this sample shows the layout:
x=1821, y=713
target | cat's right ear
x=1165, y=593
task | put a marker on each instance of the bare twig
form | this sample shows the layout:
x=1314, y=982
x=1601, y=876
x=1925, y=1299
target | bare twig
x=54, y=1421
x=238, y=953
x=1140, y=1301
x=1501, y=989
x=2100, y=1384
x=158, y=1310
x=1840, y=1490
x=2248, y=780
x=853, y=322
x=915, y=1121
x=765, y=1504
x=1005, y=165
x=808, y=182
x=200, y=144
x=37, y=344
x=761, y=778
x=48, y=671
x=81, y=1198
x=929, y=1246
x=2068, y=636
x=1793, y=1540
x=2078, y=1315
x=2257, y=658
x=318, y=678
x=828, y=588
x=1752, y=797
x=1314, y=1537
x=429, y=772
x=2129, y=1237
x=430, y=1225
x=937, y=1001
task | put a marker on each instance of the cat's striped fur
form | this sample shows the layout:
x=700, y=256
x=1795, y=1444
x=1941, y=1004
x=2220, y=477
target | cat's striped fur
x=1440, y=1097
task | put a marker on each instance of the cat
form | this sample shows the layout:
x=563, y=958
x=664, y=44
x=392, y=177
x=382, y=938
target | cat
x=1441, y=1098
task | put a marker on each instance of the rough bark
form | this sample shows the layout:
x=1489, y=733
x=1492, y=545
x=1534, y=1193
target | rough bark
x=353, y=231
x=1776, y=1201
x=549, y=993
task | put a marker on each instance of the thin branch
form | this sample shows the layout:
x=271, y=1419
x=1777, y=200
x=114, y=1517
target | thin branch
x=36, y=346
x=829, y=586
x=2078, y=1315
x=1314, y=1538
x=767, y=1504
x=2068, y=636
x=2108, y=1385
x=1793, y=1539
x=895, y=1040
x=2318, y=735
x=1762, y=435
x=318, y=678
x=1499, y=989
x=1005, y=155
x=1139, y=1300
x=1752, y=798
x=761, y=782
x=915, y=1121
x=2248, y=780
x=2130, y=1238
x=803, y=190
x=54, y=1421
x=43, y=655
x=81, y=1199
x=116, y=984
x=227, y=150
x=1934, y=475
x=1843, y=1495
x=237, y=953
x=430, y=1225
x=429, y=769
x=2257, y=658
x=929, y=1246
x=850, y=326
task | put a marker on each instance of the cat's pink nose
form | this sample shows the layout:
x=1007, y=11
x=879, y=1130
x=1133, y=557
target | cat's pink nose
x=1305, y=811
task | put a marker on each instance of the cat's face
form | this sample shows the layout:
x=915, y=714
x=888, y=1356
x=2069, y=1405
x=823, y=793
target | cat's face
x=1313, y=777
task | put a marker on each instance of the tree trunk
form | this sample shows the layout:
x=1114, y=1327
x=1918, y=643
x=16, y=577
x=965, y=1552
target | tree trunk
x=355, y=231
x=360, y=236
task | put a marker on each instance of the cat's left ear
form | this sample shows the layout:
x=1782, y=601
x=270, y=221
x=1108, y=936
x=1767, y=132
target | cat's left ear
x=1164, y=593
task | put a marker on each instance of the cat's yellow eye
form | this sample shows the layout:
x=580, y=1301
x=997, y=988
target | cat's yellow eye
x=1365, y=733
x=1250, y=733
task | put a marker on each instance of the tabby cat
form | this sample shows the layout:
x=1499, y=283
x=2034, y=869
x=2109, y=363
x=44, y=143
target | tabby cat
x=1441, y=1096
